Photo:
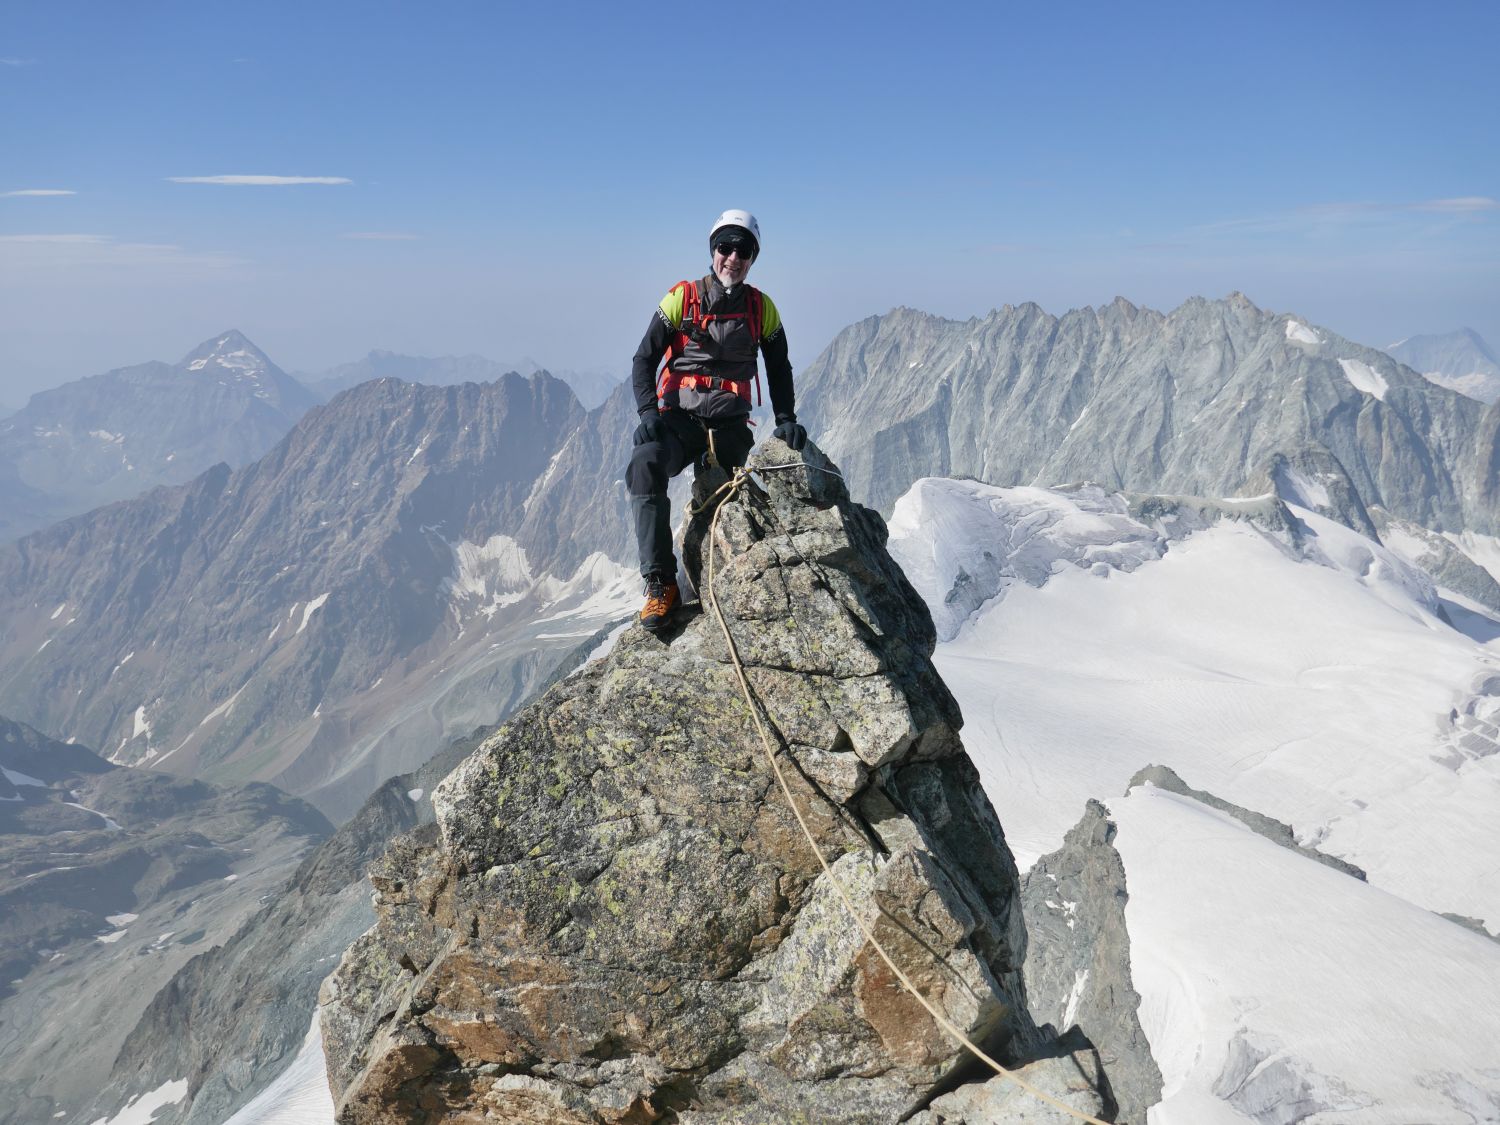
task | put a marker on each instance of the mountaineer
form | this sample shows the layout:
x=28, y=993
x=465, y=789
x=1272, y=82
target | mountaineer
x=699, y=406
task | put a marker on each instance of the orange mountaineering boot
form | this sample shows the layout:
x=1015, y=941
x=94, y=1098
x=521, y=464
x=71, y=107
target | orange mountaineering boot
x=662, y=598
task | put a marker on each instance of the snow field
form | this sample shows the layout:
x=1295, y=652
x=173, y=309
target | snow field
x=1307, y=692
x=1318, y=687
x=1381, y=1011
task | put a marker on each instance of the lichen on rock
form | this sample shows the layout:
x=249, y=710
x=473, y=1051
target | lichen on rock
x=617, y=918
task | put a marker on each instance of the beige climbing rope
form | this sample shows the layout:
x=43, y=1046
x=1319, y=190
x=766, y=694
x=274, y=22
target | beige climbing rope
x=739, y=478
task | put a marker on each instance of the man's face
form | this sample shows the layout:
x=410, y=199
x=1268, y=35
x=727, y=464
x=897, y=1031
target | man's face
x=732, y=262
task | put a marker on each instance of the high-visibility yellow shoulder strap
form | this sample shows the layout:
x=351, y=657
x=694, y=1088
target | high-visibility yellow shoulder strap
x=770, y=319
x=671, y=304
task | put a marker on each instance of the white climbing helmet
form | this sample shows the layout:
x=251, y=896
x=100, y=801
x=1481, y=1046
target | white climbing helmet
x=736, y=218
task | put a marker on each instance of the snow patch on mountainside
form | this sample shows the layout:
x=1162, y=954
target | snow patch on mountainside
x=299, y=1095
x=1302, y=672
x=964, y=543
x=312, y=607
x=1302, y=489
x=598, y=591
x=1365, y=378
x=1476, y=385
x=1301, y=333
x=142, y=1110
x=109, y=823
x=488, y=576
x=16, y=777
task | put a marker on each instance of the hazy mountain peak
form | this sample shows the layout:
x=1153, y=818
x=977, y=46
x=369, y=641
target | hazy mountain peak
x=115, y=435
x=231, y=351
x=1459, y=360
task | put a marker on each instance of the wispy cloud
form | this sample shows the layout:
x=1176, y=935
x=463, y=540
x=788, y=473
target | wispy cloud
x=32, y=252
x=259, y=181
x=35, y=191
x=63, y=239
x=12, y=61
x=1463, y=205
x=380, y=236
x=1349, y=212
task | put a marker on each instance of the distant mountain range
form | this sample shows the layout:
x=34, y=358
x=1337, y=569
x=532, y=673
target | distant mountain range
x=1216, y=398
x=592, y=388
x=382, y=579
x=410, y=562
x=1459, y=360
x=116, y=435
x=392, y=573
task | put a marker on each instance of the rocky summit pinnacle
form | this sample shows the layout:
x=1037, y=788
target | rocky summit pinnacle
x=616, y=917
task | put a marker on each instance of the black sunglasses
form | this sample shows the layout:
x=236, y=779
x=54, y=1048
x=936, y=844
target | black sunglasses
x=727, y=248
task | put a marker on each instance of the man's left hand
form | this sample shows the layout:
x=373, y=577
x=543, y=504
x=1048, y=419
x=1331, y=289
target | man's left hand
x=792, y=432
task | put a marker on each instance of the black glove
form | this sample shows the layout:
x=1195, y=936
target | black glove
x=652, y=428
x=792, y=432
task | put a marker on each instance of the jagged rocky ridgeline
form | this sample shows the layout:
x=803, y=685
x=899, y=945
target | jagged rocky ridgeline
x=616, y=918
x=1216, y=398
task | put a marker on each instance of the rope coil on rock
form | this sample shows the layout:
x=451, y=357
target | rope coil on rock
x=737, y=481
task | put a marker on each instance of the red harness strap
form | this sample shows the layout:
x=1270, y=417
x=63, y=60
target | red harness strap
x=694, y=317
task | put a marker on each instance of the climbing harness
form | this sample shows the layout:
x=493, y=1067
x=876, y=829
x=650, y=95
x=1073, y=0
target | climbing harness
x=735, y=483
x=694, y=328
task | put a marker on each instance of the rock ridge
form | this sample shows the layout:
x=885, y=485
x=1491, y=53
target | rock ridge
x=616, y=919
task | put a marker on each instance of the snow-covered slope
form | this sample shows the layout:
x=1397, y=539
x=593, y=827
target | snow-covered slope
x=1286, y=664
x=300, y=1094
x=1312, y=680
x=1274, y=987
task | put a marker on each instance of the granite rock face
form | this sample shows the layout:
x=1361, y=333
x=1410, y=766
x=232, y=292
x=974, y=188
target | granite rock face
x=1211, y=399
x=233, y=1018
x=1078, y=963
x=615, y=917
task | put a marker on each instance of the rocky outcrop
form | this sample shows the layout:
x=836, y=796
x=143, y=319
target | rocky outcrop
x=1262, y=825
x=616, y=917
x=1078, y=962
x=234, y=1018
x=1440, y=556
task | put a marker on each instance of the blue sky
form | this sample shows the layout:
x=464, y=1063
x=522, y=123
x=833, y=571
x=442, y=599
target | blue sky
x=526, y=180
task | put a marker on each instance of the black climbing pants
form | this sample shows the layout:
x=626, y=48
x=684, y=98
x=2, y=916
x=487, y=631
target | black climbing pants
x=654, y=464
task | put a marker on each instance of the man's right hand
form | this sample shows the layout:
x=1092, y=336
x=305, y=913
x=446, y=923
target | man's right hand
x=652, y=428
